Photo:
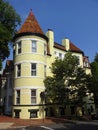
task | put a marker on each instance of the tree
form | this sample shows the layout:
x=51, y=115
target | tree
x=9, y=20
x=68, y=83
x=94, y=79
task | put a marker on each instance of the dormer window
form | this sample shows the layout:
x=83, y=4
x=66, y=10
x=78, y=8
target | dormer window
x=86, y=62
x=34, y=46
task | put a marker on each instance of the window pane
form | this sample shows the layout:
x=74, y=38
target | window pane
x=33, y=114
x=19, y=47
x=45, y=70
x=33, y=96
x=34, y=48
x=19, y=70
x=17, y=114
x=45, y=49
x=60, y=55
x=33, y=66
x=33, y=93
x=33, y=100
x=18, y=97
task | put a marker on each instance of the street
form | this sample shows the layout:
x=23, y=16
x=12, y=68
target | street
x=80, y=125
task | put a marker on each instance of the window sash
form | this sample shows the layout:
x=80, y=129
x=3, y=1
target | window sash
x=33, y=69
x=18, y=97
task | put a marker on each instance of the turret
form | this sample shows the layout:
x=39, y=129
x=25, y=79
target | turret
x=30, y=64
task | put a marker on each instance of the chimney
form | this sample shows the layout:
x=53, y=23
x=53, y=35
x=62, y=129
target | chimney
x=66, y=43
x=50, y=35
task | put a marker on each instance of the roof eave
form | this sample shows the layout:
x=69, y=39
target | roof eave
x=28, y=34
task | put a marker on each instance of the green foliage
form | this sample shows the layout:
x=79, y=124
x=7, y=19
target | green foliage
x=9, y=20
x=68, y=80
x=94, y=79
x=96, y=58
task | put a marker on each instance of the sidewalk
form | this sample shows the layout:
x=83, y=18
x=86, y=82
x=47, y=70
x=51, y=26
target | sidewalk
x=10, y=122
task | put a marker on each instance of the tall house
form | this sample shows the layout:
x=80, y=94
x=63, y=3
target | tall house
x=34, y=52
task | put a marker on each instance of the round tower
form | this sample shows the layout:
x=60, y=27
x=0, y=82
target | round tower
x=30, y=68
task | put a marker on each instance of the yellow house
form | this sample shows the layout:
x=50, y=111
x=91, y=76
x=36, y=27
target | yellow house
x=34, y=52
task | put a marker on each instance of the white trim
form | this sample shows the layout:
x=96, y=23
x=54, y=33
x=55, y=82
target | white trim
x=34, y=53
x=29, y=77
x=22, y=93
x=25, y=39
x=30, y=61
x=29, y=87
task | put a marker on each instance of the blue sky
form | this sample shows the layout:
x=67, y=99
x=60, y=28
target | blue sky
x=75, y=19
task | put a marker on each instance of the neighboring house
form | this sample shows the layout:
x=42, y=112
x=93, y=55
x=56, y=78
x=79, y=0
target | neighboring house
x=34, y=52
x=7, y=88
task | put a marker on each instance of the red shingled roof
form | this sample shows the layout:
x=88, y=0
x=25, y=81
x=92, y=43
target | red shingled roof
x=61, y=47
x=31, y=25
x=74, y=48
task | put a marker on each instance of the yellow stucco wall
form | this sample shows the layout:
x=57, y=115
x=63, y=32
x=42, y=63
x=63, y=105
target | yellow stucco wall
x=26, y=82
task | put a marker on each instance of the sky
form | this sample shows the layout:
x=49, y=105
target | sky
x=76, y=20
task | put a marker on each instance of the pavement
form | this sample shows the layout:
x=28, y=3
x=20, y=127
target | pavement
x=7, y=122
x=10, y=122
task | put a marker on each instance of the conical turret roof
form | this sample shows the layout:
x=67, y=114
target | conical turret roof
x=31, y=25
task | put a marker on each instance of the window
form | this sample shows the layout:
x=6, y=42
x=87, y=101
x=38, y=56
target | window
x=33, y=69
x=45, y=49
x=60, y=55
x=17, y=113
x=33, y=113
x=45, y=70
x=78, y=61
x=18, y=70
x=34, y=46
x=19, y=47
x=55, y=53
x=86, y=64
x=17, y=96
x=33, y=96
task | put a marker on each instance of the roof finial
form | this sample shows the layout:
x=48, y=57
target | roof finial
x=31, y=13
